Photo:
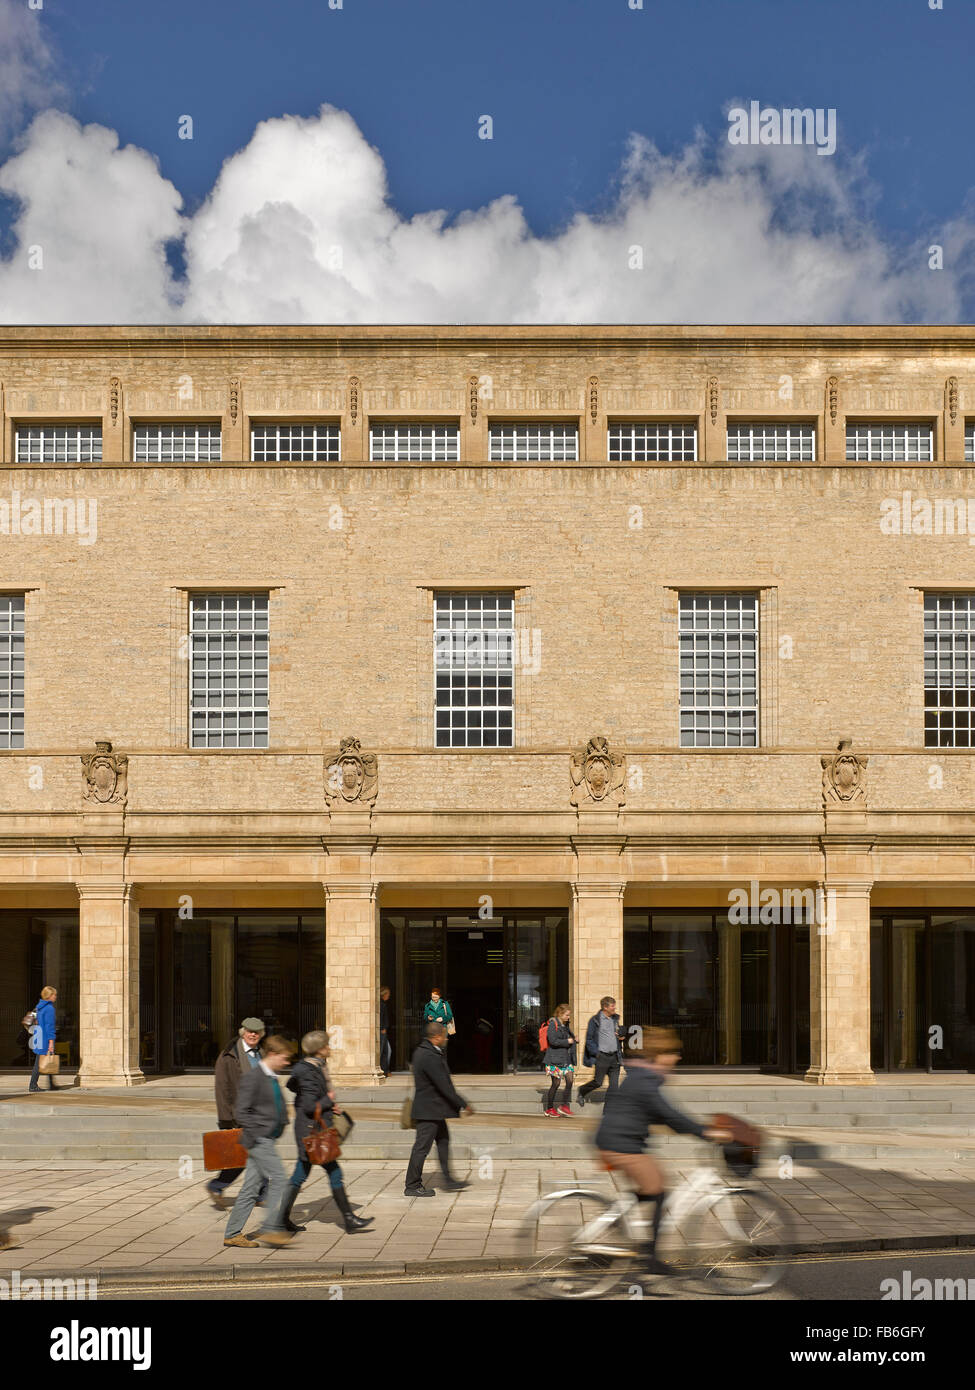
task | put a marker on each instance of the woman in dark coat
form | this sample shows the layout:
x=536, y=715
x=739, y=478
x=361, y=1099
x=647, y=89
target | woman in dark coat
x=560, y=1058
x=310, y=1082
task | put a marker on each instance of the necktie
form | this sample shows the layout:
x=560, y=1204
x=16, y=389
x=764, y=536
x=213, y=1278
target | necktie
x=252, y=1058
x=278, y=1105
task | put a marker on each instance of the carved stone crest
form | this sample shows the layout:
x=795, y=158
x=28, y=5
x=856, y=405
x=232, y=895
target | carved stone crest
x=114, y=397
x=832, y=397
x=234, y=399
x=472, y=385
x=844, y=777
x=354, y=398
x=597, y=774
x=351, y=776
x=951, y=397
x=713, y=398
x=105, y=775
x=593, y=398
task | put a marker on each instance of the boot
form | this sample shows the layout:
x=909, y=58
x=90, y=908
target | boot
x=648, y=1250
x=289, y=1200
x=353, y=1223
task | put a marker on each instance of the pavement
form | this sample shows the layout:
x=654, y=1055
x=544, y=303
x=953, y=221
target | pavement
x=118, y=1219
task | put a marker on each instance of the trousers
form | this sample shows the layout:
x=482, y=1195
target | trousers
x=264, y=1168
x=428, y=1132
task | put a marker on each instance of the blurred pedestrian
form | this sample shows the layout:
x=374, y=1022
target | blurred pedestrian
x=434, y=1101
x=385, y=1045
x=560, y=1062
x=43, y=1034
x=312, y=1086
x=238, y=1057
x=263, y=1114
x=603, y=1049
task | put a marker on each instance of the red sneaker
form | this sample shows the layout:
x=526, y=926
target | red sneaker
x=553, y=1113
x=564, y=1110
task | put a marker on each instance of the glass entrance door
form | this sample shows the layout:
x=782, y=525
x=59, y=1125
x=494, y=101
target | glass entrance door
x=503, y=977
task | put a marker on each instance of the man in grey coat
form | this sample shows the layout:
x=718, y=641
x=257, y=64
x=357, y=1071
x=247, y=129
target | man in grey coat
x=243, y=1054
x=263, y=1115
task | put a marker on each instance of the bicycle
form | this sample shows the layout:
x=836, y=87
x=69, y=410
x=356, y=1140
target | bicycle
x=730, y=1234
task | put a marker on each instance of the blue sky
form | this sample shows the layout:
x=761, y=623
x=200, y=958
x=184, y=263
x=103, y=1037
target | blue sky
x=567, y=83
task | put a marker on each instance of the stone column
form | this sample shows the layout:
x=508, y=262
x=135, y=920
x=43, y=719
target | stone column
x=352, y=980
x=595, y=951
x=108, y=955
x=839, y=986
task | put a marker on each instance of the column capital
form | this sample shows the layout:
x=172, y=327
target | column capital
x=350, y=888
x=598, y=888
x=112, y=889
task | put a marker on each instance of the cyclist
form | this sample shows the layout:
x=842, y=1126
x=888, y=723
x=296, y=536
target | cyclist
x=630, y=1111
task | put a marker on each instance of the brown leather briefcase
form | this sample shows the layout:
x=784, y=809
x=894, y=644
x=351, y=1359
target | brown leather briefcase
x=222, y=1149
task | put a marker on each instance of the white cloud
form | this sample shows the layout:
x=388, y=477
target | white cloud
x=299, y=228
x=27, y=66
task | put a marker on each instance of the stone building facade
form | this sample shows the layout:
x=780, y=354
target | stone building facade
x=730, y=570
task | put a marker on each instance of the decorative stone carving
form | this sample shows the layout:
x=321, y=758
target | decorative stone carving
x=597, y=775
x=234, y=399
x=472, y=398
x=844, y=777
x=832, y=397
x=713, y=400
x=354, y=398
x=105, y=775
x=114, y=398
x=593, y=398
x=951, y=398
x=351, y=776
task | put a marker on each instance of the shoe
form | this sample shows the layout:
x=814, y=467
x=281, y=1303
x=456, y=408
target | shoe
x=242, y=1242
x=655, y=1266
x=454, y=1184
x=7, y=1241
x=353, y=1223
x=419, y=1192
x=580, y=1100
x=275, y=1238
x=33, y=1090
x=564, y=1110
x=553, y=1113
x=286, y=1207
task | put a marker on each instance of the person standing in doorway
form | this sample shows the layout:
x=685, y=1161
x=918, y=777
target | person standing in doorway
x=437, y=1010
x=385, y=1044
x=237, y=1058
x=604, y=1048
x=434, y=1101
x=312, y=1086
x=42, y=1036
x=560, y=1062
x=263, y=1114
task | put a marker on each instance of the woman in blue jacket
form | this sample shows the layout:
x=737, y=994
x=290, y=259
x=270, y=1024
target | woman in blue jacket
x=43, y=1034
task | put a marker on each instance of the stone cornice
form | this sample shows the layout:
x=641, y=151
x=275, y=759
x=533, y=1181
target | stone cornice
x=119, y=341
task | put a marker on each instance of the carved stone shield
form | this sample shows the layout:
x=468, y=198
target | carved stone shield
x=351, y=776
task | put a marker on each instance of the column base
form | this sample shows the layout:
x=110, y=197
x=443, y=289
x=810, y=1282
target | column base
x=366, y=1077
x=111, y=1078
x=833, y=1076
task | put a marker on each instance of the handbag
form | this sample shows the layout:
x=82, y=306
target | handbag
x=322, y=1144
x=50, y=1064
x=222, y=1149
x=342, y=1123
x=406, y=1114
x=451, y=1025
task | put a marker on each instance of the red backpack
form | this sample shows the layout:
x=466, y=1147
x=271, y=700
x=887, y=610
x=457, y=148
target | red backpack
x=543, y=1036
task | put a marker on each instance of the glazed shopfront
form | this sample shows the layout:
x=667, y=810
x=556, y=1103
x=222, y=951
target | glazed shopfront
x=737, y=994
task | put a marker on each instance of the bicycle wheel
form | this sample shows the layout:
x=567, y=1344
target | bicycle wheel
x=734, y=1243
x=577, y=1245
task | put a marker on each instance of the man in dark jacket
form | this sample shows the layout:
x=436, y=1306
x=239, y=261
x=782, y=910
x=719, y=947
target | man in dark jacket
x=434, y=1101
x=604, y=1048
x=243, y=1052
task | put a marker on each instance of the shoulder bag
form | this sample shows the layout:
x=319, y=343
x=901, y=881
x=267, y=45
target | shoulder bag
x=322, y=1144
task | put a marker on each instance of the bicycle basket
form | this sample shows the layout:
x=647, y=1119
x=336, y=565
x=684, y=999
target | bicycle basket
x=742, y=1159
